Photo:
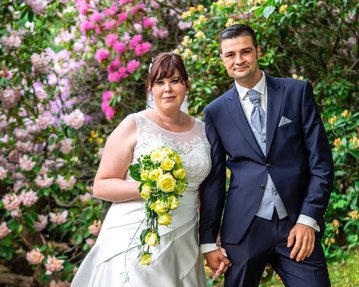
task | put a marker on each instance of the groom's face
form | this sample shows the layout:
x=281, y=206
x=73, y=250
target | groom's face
x=240, y=57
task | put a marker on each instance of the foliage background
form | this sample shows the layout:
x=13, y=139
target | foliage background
x=70, y=71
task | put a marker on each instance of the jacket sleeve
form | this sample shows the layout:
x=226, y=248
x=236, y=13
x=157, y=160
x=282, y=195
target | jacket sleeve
x=212, y=190
x=319, y=158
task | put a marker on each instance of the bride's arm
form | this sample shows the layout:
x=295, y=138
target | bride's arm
x=110, y=183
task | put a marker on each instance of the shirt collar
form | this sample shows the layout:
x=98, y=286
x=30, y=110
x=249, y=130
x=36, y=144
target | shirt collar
x=259, y=87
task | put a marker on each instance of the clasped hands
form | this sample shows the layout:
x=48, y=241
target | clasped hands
x=218, y=262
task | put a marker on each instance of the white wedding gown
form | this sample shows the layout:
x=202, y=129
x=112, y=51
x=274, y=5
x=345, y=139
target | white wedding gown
x=176, y=261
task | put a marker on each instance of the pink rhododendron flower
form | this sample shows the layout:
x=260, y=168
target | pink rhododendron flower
x=3, y=173
x=111, y=39
x=107, y=96
x=96, y=16
x=119, y=47
x=9, y=97
x=111, y=11
x=154, y=4
x=123, y=2
x=24, y=146
x=40, y=62
x=11, y=201
x=114, y=65
x=59, y=218
x=85, y=197
x=41, y=223
x=53, y=265
x=34, y=256
x=43, y=181
x=44, y=121
x=109, y=25
x=184, y=25
x=108, y=110
x=149, y=22
x=26, y=163
x=95, y=227
x=21, y=134
x=66, y=145
x=102, y=54
x=82, y=7
x=143, y=48
x=64, y=184
x=114, y=77
x=4, y=230
x=75, y=120
x=90, y=242
x=86, y=26
x=122, y=17
x=137, y=39
x=160, y=33
x=28, y=198
x=132, y=66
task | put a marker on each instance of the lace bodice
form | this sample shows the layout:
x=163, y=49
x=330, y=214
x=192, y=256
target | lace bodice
x=192, y=146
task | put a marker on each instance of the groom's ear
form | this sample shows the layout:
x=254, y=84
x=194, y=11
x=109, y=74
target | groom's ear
x=258, y=51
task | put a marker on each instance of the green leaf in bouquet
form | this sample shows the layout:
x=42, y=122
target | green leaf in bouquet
x=135, y=171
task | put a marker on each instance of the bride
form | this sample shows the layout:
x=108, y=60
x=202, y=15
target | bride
x=176, y=261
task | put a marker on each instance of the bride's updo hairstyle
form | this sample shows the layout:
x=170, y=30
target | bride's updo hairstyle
x=165, y=66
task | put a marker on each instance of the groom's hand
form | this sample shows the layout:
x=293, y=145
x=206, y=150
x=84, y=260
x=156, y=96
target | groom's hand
x=303, y=239
x=217, y=261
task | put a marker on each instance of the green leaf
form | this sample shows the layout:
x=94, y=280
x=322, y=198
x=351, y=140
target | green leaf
x=135, y=171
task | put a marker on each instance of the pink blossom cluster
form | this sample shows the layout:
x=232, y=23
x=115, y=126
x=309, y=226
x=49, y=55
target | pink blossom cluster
x=66, y=145
x=108, y=110
x=95, y=227
x=41, y=223
x=34, y=256
x=9, y=97
x=4, y=230
x=26, y=163
x=43, y=181
x=37, y=6
x=15, y=38
x=65, y=184
x=59, y=217
x=75, y=119
x=53, y=265
x=3, y=173
x=40, y=62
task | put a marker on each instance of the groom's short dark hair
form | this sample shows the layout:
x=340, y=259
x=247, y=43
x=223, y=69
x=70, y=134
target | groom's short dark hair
x=238, y=30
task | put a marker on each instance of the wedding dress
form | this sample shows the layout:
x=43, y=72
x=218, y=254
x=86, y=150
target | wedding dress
x=176, y=261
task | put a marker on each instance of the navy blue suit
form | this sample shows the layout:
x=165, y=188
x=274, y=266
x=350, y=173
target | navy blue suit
x=298, y=158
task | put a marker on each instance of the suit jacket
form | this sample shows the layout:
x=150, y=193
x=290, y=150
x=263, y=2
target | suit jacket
x=298, y=159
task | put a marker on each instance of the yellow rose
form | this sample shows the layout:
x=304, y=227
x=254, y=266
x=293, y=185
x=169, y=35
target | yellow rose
x=164, y=219
x=151, y=239
x=166, y=183
x=146, y=259
x=200, y=35
x=146, y=191
x=173, y=202
x=167, y=164
x=177, y=158
x=144, y=175
x=159, y=206
x=155, y=174
x=179, y=173
x=157, y=156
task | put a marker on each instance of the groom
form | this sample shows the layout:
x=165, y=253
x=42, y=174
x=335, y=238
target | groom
x=269, y=134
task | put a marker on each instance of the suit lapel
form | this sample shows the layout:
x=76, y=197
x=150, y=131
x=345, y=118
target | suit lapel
x=235, y=110
x=275, y=93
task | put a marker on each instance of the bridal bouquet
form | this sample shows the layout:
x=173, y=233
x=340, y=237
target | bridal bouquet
x=163, y=180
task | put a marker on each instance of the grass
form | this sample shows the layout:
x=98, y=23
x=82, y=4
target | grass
x=343, y=272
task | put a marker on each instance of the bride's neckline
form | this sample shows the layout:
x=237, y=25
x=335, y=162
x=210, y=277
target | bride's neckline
x=162, y=128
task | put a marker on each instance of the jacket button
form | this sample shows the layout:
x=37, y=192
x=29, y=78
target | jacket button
x=268, y=164
x=263, y=186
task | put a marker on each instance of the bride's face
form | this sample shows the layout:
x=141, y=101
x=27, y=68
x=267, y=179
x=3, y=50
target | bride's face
x=169, y=93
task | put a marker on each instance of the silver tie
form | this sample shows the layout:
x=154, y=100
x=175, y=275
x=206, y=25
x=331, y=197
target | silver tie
x=258, y=114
